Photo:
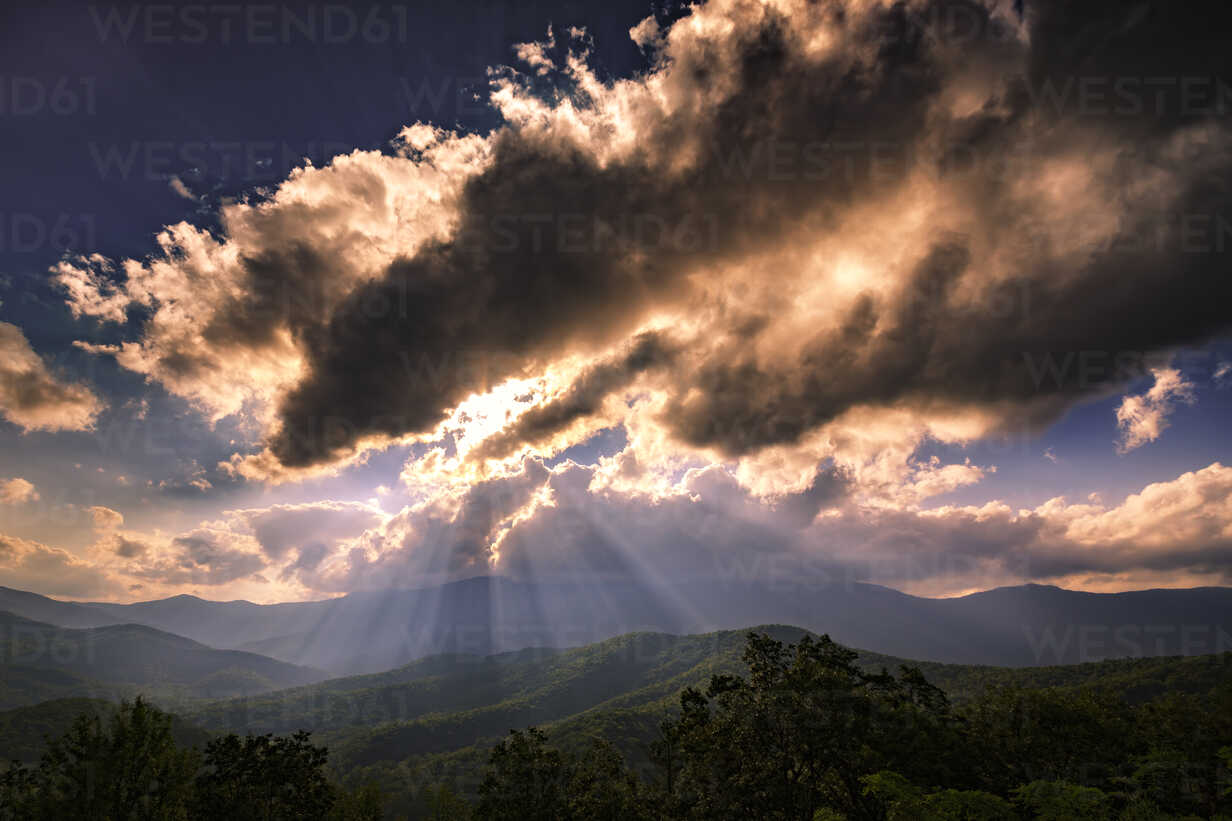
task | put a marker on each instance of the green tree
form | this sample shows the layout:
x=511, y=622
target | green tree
x=264, y=778
x=1018, y=736
x=1063, y=801
x=525, y=780
x=363, y=803
x=664, y=753
x=801, y=731
x=126, y=768
x=16, y=792
x=1182, y=770
x=904, y=801
x=443, y=804
x=600, y=788
x=1144, y=809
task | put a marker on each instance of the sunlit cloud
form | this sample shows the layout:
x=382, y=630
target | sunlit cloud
x=105, y=518
x=31, y=565
x=32, y=396
x=17, y=491
x=786, y=306
x=1143, y=418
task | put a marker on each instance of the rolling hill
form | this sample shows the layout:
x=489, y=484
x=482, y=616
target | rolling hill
x=435, y=718
x=40, y=661
x=443, y=702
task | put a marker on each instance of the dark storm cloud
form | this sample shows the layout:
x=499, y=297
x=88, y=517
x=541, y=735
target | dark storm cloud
x=1075, y=326
x=556, y=252
x=545, y=260
x=1072, y=161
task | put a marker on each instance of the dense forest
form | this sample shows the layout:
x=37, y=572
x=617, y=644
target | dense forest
x=803, y=731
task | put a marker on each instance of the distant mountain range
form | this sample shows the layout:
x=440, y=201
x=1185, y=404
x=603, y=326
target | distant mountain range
x=39, y=661
x=374, y=631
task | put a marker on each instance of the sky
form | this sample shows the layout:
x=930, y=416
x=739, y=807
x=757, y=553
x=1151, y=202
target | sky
x=300, y=299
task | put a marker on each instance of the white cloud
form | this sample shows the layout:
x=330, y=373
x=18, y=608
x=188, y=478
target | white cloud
x=34, y=398
x=535, y=54
x=207, y=555
x=281, y=528
x=17, y=491
x=105, y=518
x=30, y=565
x=1143, y=418
x=572, y=522
x=178, y=186
x=220, y=332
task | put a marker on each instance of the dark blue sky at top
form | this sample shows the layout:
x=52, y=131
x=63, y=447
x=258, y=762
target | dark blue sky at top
x=232, y=113
x=100, y=104
x=95, y=123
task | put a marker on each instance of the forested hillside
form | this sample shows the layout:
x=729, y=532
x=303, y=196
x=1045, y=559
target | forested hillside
x=433, y=721
x=774, y=723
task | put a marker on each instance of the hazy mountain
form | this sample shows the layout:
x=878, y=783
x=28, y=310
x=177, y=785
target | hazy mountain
x=52, y=611
x=41, y=661
x=371, y=631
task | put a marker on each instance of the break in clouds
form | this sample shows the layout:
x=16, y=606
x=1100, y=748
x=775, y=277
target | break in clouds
x=810, y=233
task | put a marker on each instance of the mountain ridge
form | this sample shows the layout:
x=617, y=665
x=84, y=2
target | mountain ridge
x=40, y=660
x=370, y=631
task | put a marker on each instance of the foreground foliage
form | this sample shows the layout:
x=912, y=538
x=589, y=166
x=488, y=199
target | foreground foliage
x=803, y=730
x=131, y=767
x=809, y=735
